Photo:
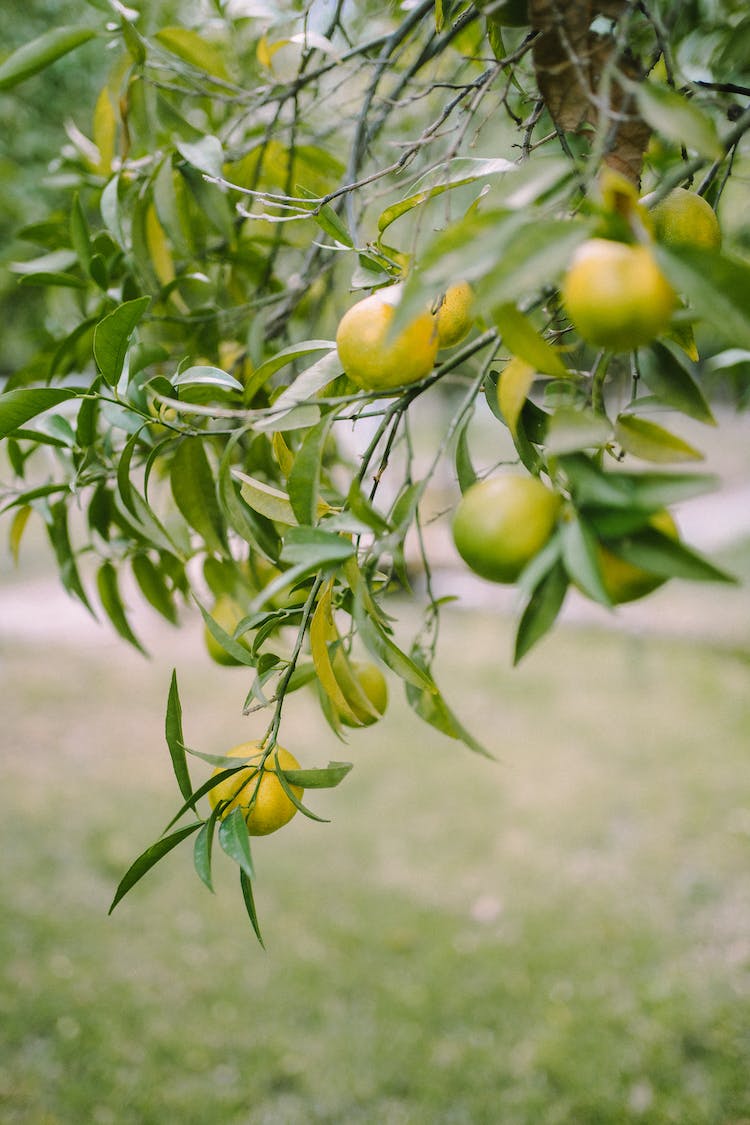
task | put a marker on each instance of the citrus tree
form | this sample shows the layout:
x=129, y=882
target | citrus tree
x=280, y=229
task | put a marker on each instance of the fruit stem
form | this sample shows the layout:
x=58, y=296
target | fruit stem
x=597, y=382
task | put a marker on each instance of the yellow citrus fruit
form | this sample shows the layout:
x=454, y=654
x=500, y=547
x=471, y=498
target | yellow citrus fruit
x=616, y=295
x=371, y=358
x=684, y=218
x=228, y=614
x=265, y=806
x=357, y=678
x=502, y=522
x=625, y=582
x=454, y=316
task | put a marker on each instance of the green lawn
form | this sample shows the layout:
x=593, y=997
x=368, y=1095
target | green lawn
x=562, y=936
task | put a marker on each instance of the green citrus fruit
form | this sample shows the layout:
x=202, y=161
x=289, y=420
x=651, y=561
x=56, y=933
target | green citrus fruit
x=616, y=295
x=265, y=806
x=227, y=613
x=502, y=522
x=371, y=358
x=357, y=678
x=684, y=218
x=454, y=316
x=625, y=582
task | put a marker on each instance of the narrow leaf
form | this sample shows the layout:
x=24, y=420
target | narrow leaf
x=18, y=406
x=513, y=386
x=304, y=479
x=678, y=119
x=579, y=554
x=194, y=491
x=109, y=594
x=671, y=379
x=150, y=858
x=541, y=611
x=235, y=841
x=176, y=742
x=247, y=895
x=41, y=53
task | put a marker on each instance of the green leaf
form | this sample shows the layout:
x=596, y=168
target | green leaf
x=333, y=225
x=716, y=287
x=264, y=498
x=282, y=359
x=433, y=709
x=193, y=49
x=57, y=529
x=569, y=430
x=285, y=411
x=154, y=588
x=328, y=778
x=669, y=558
x=112, y=336
x=203, y=849
x=226, y=640
x=359, y=505
x=235, y=841
x=541, y=610
x=521, y=338
x=592, y=487
x=465, y=471
x=533, y=259
x=376, y=639
x=150, y=858
x=50, y=278
x=176, y=741
x=247, y=896
x=18, y=406
x=194, y=491
x=109, y=594
x=678, y=119
x=458, y=172
x=41, y=53
x=315, y=547
x=580, y=557
x=202, y=375
x=304, y=478
x=670, y=378
x=206, y=154
x=651, y=442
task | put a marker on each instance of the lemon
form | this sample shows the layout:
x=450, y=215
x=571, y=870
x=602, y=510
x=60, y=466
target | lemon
x=265, y=806
x=502, y=522
x=684, y=218
x=616, y=296
x=375, y=361
x=454, y=316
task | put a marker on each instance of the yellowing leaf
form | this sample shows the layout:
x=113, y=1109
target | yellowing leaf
x=16, y=530
x=193, y=49
x=322, y=632
x=264, y=498
x=521, y=338
x=265, y=51
x=105, y=131
x=513, y=389
x=282, y=453
x=158, y=248
x=650, y=442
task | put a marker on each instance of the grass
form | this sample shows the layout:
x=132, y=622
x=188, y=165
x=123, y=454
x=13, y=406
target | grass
x=558, y=937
